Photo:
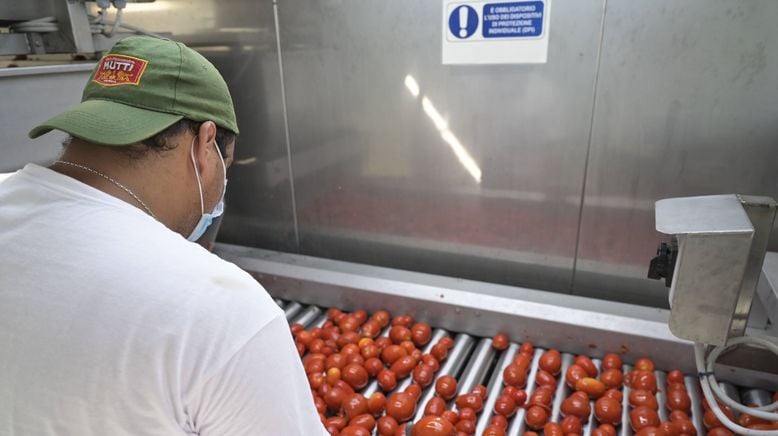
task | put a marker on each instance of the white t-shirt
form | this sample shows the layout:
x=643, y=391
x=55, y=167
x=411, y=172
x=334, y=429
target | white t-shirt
x=112, y=324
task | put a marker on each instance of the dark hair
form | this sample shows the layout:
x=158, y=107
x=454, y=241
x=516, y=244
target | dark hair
x=161, y=141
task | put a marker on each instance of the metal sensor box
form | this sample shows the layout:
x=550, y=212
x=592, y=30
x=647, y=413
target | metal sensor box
x=722, y=241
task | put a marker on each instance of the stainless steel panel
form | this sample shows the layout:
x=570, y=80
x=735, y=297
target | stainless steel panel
x=13, y=43
x=684, y=106
x=74, y=26
x=705, y=286
x=761, y=212
x=459, y=170
x=31, y=95
x=767, y=289
x=25, y=10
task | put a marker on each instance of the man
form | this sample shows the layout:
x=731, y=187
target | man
x=111, y=321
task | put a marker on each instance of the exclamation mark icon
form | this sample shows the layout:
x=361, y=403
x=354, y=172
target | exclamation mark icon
x=463, y=14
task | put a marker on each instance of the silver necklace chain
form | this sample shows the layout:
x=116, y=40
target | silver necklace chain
x=122, y=187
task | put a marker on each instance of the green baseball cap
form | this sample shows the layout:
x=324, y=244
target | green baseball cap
x=142, y=86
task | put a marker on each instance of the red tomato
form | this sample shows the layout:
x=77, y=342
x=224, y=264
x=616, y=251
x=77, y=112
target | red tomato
x=365, y=420
x=435, y=406
x=387, y=380
x=401, y=406
x=505, y=405
x=571, y=424
x=608, y=411
x=679, y=400
x=376, y=403
x=421, y=333
x=500, y=342
x=551, y=362
x=446, y=387
x=354, y=405
x=423, y=375
x=587, y=364
x=611, y=361
x=604, y=430
x=433, y=426
x=645, y=380
x=473, y=401
x=612, y=378
x=355, y=375
x=536, y=417
x=642, y=416
x=499, y=421
x=553, y=429
x=644, y=364
x=576, y=405
x=573, y=374
x=544, y=378
x=512, y=375
x=593, y=387
x=493, y=430
x=675, y=376
x=526, y=348
x=640, y=397
x=480, y=390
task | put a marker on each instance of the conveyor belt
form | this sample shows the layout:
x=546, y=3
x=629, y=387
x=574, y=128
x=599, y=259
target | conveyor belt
x=473, y=361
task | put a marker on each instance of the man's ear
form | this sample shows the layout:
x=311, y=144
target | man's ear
x=207, y=131
x=204, y=148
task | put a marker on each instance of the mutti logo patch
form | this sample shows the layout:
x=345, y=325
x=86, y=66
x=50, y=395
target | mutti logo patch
x=115, y=70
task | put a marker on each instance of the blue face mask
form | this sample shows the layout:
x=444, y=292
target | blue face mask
x=207, y=218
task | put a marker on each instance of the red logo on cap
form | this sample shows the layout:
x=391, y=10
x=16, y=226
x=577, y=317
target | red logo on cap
x=116, y=70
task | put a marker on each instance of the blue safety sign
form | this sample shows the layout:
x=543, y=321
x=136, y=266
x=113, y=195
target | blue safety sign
x=513, y=20
x=495, y=31
x=463, y=22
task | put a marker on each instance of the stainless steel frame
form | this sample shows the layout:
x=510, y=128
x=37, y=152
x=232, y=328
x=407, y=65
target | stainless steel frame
x=574, y=324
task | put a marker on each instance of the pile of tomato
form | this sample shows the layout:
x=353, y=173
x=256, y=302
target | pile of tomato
x=348, y=351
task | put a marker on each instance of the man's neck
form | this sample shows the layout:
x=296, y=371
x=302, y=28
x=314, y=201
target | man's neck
x=110, y=170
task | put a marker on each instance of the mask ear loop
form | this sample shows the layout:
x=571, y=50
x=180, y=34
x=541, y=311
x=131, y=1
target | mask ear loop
x=224, y=165
x=197, y=175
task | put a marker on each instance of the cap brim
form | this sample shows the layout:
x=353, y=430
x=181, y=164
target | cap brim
x=108, y=122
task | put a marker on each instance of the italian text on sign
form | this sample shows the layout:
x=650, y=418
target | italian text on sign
x=513, y=20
